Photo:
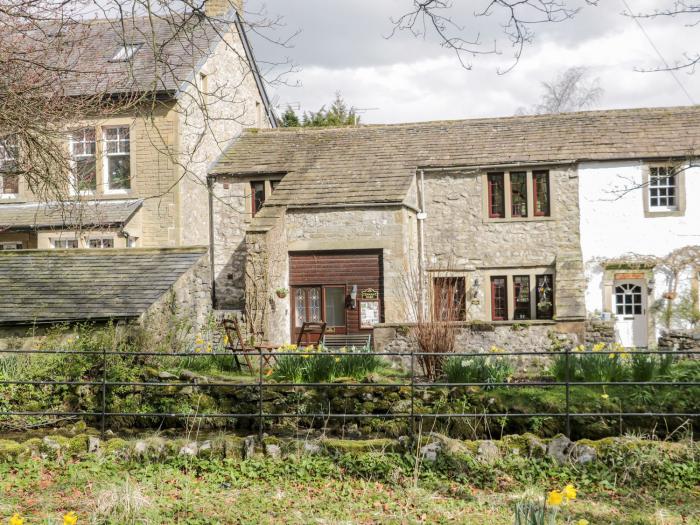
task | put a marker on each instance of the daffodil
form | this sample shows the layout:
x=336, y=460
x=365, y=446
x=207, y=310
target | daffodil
x=604, y=396
x=209, y=349
x=582, y=522
x=225, y=340
x=70, y=519
x=598, y=347
x=337, y=359
x=16, y=519
x=569, y=492
x=579, y=348
x=555, y=498
x=612, y=355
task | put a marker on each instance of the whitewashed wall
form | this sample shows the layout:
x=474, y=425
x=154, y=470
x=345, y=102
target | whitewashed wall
x=613, y=222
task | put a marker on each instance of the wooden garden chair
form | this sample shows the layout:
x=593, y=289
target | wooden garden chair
x=232, y=327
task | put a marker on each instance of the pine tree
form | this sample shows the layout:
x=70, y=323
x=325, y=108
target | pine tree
x=289, y=119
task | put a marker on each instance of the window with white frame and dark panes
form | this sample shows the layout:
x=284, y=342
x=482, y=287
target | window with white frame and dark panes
x=117, y=159
x=663, y=188
x=9, y=180
x=84, y=160
x=64, y=244
x=106, y=242
x=11, y=245
x=518, y=194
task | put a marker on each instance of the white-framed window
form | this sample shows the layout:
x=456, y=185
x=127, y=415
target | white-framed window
x=117, y=159
x=83, y=150
x=9, y=180
x=10, y=245
x=64, y=244
x=131, y=242
x=663, y=188
x=106, y=242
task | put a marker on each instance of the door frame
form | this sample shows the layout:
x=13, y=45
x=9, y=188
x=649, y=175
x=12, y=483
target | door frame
x=644, y=316
x=322, y=287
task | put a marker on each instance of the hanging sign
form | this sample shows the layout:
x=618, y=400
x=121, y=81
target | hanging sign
x=369, y=293
x=369, y=313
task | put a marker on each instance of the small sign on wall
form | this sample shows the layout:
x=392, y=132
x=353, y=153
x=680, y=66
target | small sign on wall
x=369, y=313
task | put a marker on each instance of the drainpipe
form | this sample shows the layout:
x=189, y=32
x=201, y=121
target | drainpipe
x=210, y=188
x=421, y=216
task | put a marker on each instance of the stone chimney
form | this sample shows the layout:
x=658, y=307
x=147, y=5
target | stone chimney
x=216, y=8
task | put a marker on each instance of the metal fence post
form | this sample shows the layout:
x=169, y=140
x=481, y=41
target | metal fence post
x=413, y=393
x=260, y=400
x=568, y=391
x=104, y=392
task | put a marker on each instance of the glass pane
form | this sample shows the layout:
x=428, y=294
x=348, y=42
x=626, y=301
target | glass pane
x=335, y=306
x=10, y=184
x=499, y=299
x=544, y=296
x=119, y=169
x=299, y=307
x=86, y=174
x=314, y=304
x=518, y=194
x=521, y=293
x=497, y=203
x=258, y=190
x=541, y=184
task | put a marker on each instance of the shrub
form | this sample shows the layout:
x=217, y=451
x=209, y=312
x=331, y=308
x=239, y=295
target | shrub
x=478, y=369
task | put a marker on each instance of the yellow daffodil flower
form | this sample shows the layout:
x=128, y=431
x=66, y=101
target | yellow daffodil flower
x=70, y=519
x=16, y=519
x=555, y=498
x=579, y=348
x=337, y=359
x=582, y=522
x=569, y=492
x=209, y=349
x=598, y=347
x=225, y=339
x=611, y=356
x=604, y=396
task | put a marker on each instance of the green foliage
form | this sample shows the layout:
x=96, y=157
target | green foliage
x=339, y=114
x=603, y=366
x=478, y=369
x=289, y=119
x=529, y=511
x=318, y=366
x=687, y=309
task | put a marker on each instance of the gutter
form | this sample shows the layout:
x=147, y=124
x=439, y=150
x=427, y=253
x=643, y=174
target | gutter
x=256, y=72
x=421, y=216
x=210, y=191
x=482, y=167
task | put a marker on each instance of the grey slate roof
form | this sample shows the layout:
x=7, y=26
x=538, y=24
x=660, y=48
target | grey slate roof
x=36, y=215
x=42, y=286
x=170, y=50
x=374, y=164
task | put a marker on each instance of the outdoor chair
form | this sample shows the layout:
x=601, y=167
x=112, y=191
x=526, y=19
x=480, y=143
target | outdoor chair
x=234, y=334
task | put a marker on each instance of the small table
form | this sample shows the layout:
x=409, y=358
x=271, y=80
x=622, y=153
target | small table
x=267, y=358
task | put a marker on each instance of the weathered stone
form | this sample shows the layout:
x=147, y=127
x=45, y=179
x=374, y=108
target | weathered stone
x=273, y=451
x=583, y=454
x=488, y=452
x=166, y=376
x=312, y=448
x=431, y=451
x=558, y=449
x=140, y=448
x=93, y=444
x=191, y=449
x=249, y=447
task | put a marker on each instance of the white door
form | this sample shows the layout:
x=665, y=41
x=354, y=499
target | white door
x=630, y=313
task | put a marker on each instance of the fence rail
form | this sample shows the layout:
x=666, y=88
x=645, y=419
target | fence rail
x=414, y=382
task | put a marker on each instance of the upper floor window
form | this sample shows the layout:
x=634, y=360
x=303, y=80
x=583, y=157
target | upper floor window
x=107, y=242
x=64, y=244
x=518, y=194
x=84, y=161
x=9, y=180
x=117, y=159
x=10, y=245
x=257, y=193
x=663, y=189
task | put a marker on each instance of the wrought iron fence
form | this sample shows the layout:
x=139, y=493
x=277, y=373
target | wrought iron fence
x=414, y=382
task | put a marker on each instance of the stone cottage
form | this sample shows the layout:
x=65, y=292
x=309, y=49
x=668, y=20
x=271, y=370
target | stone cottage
x=374, y=226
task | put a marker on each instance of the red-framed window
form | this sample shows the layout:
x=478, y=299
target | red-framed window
x=257, y=196
x=497, y=197
x=518, y=194
x=449, y=299
x=499, y=298
x=521, y=297
x=544, y=295
x=540, y=184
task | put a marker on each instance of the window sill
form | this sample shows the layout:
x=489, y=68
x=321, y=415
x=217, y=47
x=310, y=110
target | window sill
x=489, y=220
x=116, y=192
x=9, y=196
x=650, y=214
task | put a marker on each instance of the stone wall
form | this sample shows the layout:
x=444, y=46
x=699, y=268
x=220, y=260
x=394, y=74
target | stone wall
x=460, y=238
x=598, y=331
x=680, y=340
x=186, y=306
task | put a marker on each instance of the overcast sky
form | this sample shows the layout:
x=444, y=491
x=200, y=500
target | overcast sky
x=343, y=46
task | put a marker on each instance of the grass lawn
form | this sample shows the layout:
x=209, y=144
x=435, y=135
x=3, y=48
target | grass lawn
x=304, y=490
